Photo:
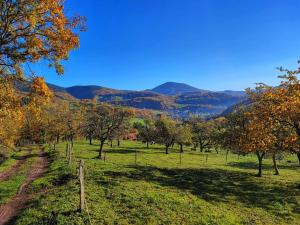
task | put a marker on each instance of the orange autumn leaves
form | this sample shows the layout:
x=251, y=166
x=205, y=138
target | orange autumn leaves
x=18, y=111
x=271, y=123
x=11, y=115
x=33, y=30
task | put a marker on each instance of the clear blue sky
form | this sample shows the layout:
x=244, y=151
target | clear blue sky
x=210, y=44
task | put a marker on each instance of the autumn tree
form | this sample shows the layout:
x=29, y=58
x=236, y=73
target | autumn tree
x=33, y=30
x=264, y=107
x=38, y=98
x=121, y=132
x=146, y=131
x=107, y=120
x=217, y=132
x=248, y=131
x=88, y=128
x=165, y=130
x=283, y=104
x=202, y=130
x=11, y=113
x=183, y=135
x=55, y=115
x=29, y=32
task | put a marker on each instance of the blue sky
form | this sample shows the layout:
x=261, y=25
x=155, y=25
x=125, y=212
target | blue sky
x=210, y=44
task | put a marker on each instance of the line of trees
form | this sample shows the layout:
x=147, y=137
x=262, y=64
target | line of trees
x=195, y=132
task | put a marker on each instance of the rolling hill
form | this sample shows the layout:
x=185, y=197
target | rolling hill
x=173, y=89
x=176, y=99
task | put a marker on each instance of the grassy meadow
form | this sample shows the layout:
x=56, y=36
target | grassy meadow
x=157, y=189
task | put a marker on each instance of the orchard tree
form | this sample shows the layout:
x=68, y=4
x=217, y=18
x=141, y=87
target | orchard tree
x=217, y=132
x=55, y=115
x=121, y=132
x=73, y=121
x=264, y=109
x=184, y=135
x=107, y=120
x=249, y=132
x=146, y=131
x=202, y=130
x=88, y=128
x=284, y=106
x=165, y=131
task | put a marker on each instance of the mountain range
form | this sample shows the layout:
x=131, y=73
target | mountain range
x=177, y=99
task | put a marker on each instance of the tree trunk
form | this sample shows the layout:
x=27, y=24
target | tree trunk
x=118, y=142
x=298, y=155
x=167, y=149
x=201, y=147
x=147, y=142
x=275, y=164
x=195, y=147
x=181, y=148
x=91, y=140
x=111, y=143
x=260, y=158
x=227, y=151
x=57, y=138
x=101, y=149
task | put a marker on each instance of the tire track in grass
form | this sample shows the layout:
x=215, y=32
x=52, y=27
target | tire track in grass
x=19, y=201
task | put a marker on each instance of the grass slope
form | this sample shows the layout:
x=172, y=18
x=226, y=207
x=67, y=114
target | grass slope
x=160, y=191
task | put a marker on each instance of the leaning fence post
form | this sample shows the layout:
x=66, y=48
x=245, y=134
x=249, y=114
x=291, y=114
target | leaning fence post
x=81, y=180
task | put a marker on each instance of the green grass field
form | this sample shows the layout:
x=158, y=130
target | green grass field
x=158, y=190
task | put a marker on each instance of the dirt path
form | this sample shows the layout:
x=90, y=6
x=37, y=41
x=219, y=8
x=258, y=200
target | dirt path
x=5, y=175
x=18, y=202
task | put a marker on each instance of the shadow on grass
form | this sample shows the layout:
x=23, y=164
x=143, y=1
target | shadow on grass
x=24, y=157
x=217, y=185
x=254, y=165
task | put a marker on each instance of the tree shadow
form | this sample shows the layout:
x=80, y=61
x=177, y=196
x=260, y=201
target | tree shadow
x=24, y=157
x=254, y=165
x=217, y=185
x=120, y=151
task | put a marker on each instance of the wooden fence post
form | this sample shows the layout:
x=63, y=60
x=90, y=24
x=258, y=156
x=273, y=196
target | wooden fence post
x=70, y=154
x=104, y=158
x=67, y=150
x=180, y=158
x=226, y=155
x=81, y=180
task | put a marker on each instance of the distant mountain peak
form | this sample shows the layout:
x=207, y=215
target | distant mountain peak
x=174, y=88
